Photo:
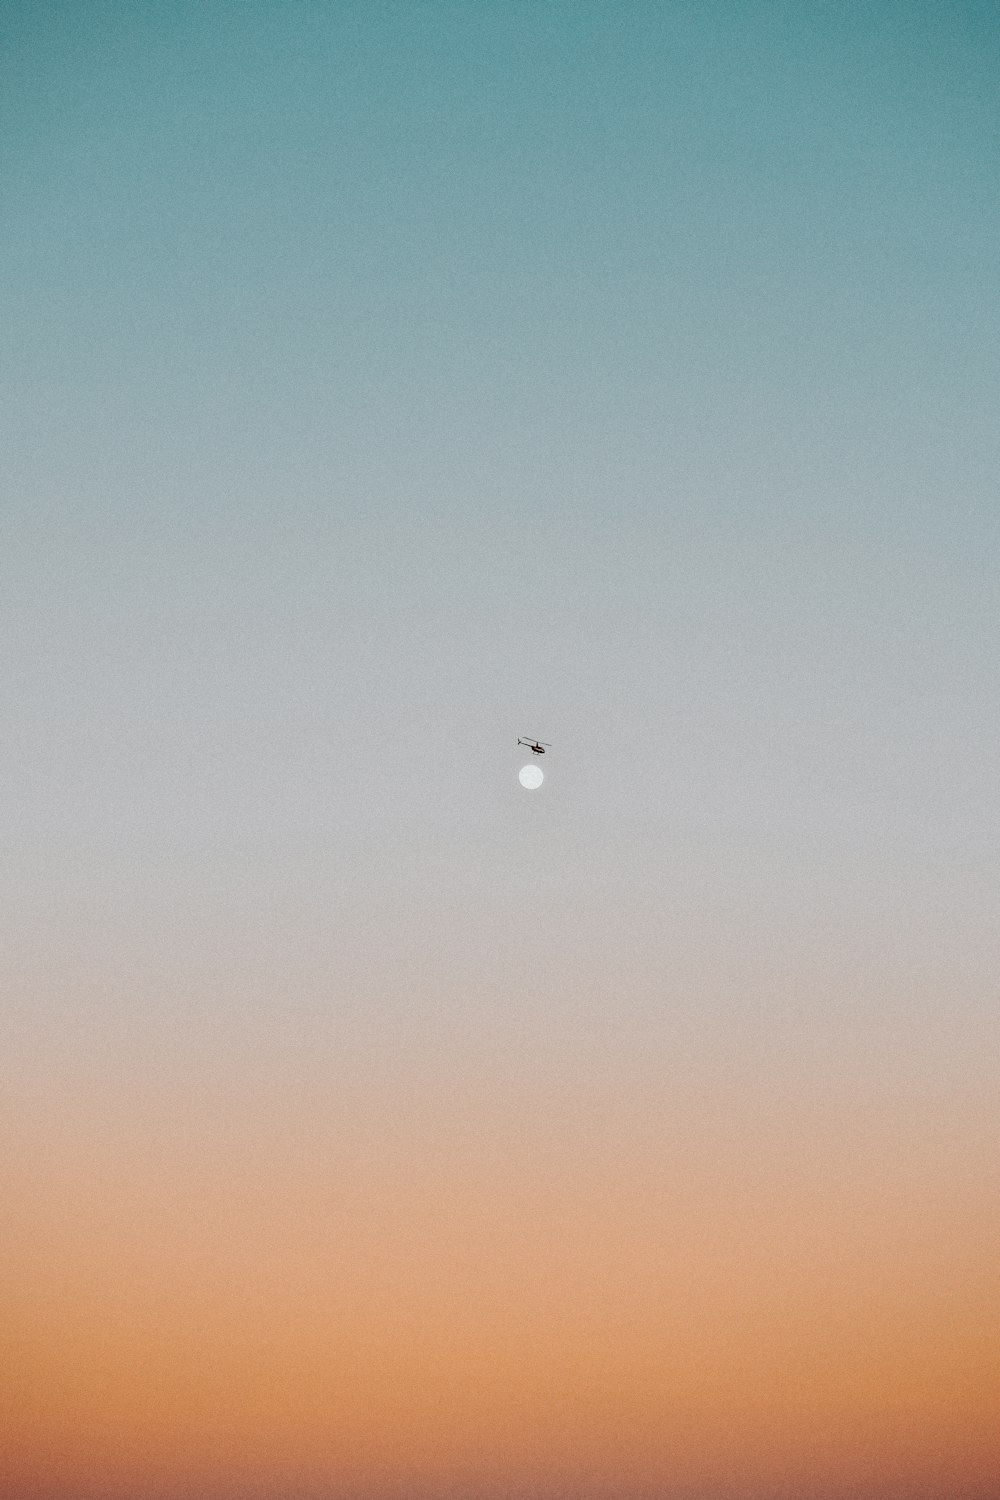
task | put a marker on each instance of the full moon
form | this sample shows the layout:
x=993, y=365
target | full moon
x=530, y=777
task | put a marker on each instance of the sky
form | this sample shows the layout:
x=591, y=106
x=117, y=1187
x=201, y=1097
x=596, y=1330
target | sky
x=381, y=383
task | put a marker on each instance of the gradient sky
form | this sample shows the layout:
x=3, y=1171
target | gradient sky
x=382, y=382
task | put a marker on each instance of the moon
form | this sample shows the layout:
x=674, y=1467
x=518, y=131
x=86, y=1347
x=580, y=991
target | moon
x=531, y=777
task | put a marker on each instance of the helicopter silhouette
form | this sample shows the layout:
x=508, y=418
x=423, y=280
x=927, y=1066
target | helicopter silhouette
x=537, y=747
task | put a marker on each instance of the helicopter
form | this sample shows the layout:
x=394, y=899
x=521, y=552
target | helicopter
x=537, y=747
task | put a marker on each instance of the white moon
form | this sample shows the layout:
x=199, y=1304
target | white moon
x=530, y=777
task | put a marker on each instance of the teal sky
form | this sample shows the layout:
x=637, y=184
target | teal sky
x=386, y=381
x=383, y=382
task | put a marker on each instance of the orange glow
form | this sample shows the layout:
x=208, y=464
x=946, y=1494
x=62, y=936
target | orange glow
x=484, y=1315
